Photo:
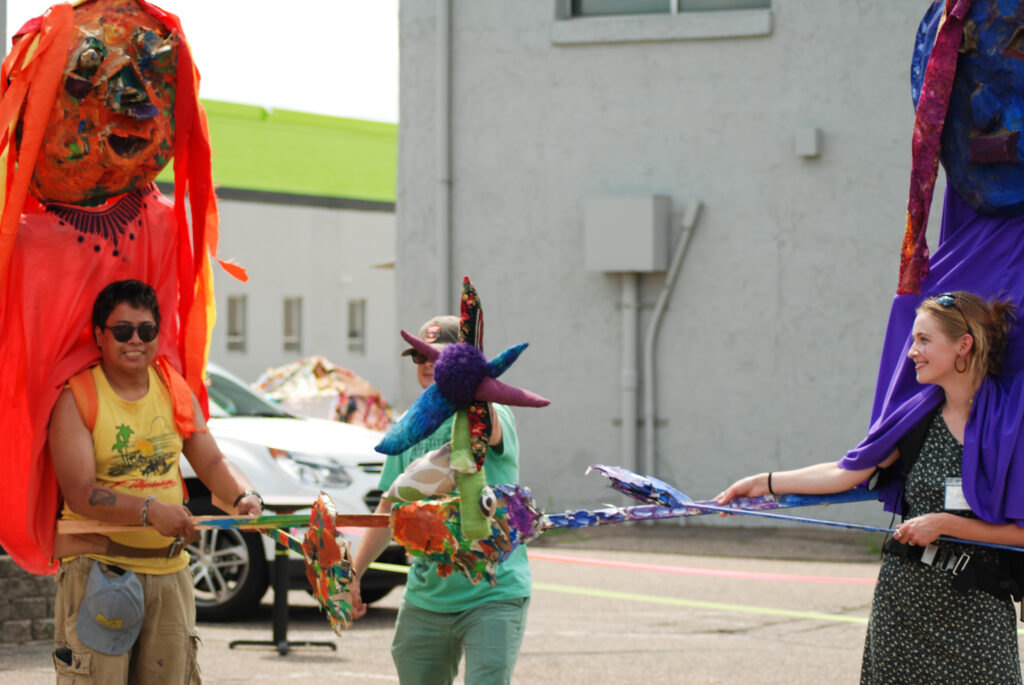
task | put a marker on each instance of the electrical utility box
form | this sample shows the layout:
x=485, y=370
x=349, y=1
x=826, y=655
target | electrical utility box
x=626, y=232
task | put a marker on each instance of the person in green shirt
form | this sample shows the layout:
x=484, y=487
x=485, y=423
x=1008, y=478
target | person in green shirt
x=441, y=619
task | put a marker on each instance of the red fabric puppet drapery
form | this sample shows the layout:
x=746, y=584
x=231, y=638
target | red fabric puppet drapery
x=59, y=248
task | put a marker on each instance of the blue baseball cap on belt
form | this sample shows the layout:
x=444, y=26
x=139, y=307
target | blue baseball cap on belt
x=110, y=617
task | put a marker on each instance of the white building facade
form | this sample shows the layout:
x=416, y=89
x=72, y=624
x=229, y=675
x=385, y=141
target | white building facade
x=788, y=123
x=321, y=282
x=307, y=206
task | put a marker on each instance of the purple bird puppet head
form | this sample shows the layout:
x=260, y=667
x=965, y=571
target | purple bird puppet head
x=462, y=376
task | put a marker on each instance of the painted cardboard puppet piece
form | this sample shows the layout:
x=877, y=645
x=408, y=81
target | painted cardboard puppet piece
x=328, y=563
x=968, y=86
x=94, y=101
x=474, y=525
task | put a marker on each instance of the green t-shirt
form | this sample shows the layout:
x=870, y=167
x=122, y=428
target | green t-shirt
x=424, y=587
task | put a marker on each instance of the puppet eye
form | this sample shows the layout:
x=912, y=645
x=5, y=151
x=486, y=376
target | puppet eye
x=89, y=60
x=91, y=54
x=488, y=502
x=154, y=51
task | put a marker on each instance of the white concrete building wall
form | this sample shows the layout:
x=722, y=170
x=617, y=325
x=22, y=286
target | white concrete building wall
x=326, y=256
x=769, y=348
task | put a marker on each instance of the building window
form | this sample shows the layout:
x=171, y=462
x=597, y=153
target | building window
x=590, y=22
x=593, y=8
x=236, y=323
x=357, y=325
x=293, y=324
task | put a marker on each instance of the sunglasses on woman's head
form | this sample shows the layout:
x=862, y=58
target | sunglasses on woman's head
x=947, y=301
x=122, y=332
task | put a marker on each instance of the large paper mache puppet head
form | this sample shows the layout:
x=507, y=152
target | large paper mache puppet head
x=96, y=98
x=111, y=128
x=983, y=136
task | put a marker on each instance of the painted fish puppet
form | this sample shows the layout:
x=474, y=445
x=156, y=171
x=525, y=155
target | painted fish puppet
x=95, y=100
x=430, y=528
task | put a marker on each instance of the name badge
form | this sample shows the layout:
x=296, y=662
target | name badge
x=955, y=500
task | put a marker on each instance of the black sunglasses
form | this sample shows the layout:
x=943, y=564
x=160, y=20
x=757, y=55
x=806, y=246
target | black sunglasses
x=948, y=300
x=122, y=332
x=418, y=357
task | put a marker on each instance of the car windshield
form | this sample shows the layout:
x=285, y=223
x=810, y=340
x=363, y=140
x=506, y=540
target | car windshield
x=230, y=398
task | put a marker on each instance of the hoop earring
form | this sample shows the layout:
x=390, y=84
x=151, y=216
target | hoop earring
x=957, y=368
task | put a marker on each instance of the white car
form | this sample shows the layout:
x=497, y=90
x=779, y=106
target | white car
x=285, y=457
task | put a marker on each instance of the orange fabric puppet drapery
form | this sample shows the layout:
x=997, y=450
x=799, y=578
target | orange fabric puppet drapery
x=55, y=258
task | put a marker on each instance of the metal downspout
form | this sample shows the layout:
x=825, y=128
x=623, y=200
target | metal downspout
x=444, y=156
x=629, y=379
x=649, y=461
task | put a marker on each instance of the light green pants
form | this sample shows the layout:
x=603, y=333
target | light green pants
x=428, y=645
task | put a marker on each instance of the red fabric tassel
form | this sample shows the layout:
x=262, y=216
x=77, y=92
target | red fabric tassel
x=932, y=106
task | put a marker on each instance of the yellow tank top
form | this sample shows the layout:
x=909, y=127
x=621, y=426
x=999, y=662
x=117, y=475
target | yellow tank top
x=137, y=447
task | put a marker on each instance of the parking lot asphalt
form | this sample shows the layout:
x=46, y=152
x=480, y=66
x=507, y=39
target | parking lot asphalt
x=598, y=616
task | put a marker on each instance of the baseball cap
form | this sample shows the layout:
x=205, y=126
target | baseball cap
x=110, y=617
x=438, y=331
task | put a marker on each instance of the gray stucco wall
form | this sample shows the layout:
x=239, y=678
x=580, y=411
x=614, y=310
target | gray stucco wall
x=327, y=256
x=768, y=351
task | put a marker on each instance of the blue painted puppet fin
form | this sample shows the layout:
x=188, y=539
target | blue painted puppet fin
x=500, y=364
x=424, y=417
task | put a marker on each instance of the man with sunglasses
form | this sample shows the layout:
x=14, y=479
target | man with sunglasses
x=115, y=437
x=442, y=618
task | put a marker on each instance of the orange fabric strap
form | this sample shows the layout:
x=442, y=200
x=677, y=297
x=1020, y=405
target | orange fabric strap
x=181, y=396
x=83, y=388
x=42, y=59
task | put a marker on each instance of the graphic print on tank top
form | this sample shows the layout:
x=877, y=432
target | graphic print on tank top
x=151, y=454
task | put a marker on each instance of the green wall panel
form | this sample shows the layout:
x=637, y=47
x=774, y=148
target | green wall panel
x=282, y=151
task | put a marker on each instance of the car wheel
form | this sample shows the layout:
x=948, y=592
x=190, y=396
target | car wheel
x=229, y=573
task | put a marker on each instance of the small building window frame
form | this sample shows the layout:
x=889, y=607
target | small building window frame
x=577, y=8
x=682, y=20
x=357, y=325
x=292, y=328
x=237, y=323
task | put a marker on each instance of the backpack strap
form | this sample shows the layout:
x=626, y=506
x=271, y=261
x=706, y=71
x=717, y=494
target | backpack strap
x=911, y=443
x=83, y=389
x=181, y=395
x=184, y=407
x=909, y=447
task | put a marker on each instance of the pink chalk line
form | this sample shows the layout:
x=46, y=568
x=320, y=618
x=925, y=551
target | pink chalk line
x=691, y=571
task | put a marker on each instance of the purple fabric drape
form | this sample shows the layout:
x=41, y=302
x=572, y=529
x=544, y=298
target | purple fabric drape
x=985, y=255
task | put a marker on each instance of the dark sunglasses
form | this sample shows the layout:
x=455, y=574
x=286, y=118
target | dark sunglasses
x=947, y=301
x=418, y=357
x=122, y=332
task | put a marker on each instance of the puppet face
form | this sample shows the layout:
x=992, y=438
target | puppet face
x=983, y=138
x=112, y=127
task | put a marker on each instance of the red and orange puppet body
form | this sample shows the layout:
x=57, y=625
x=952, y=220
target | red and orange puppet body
x=95, y=100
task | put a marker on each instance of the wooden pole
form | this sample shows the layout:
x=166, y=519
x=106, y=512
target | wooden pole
x=80, y=527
